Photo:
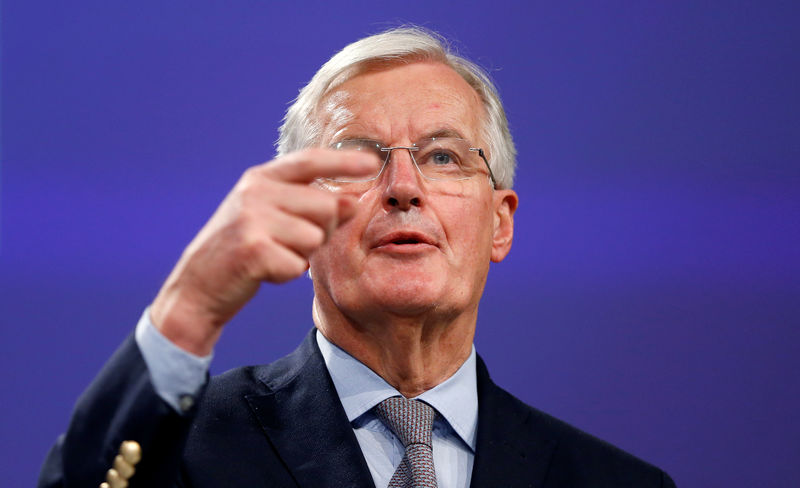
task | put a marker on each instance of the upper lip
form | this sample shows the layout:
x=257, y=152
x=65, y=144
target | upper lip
x=405, y=237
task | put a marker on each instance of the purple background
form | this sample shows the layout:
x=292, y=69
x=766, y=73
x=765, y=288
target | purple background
x=652, y=296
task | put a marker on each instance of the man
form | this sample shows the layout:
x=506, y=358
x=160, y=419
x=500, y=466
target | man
x=393, y=187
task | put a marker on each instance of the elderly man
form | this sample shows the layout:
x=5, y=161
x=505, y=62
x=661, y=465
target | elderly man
x=393, y=188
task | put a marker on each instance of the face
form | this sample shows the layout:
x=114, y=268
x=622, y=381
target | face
x=415, y=245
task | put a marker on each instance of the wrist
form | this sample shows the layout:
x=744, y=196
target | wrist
x=184, y=324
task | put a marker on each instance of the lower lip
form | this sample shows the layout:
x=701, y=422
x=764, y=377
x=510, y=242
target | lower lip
x=405, y=248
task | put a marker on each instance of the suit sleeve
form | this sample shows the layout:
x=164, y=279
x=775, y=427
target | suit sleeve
x=120, y=404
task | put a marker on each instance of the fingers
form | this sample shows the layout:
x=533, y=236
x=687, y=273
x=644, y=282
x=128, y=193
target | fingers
x=299, y=235
x=279, y=264
x=264, y=230
x=285, y=219
x=307, y=165
x=321, y=207
x=283, y=184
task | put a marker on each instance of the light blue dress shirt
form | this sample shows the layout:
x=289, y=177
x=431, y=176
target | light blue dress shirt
x=176, y=373
x=455, y=426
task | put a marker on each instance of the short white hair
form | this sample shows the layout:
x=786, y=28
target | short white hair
x=300, y=128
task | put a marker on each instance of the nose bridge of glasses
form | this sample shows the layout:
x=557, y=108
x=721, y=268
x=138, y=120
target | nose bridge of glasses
x=391, y=156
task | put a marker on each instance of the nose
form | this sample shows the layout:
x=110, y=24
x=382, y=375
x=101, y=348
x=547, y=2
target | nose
x=403, y=188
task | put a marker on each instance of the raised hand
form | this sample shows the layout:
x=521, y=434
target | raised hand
x=264, y=230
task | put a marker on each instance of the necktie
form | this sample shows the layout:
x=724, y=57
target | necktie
x=412, y=422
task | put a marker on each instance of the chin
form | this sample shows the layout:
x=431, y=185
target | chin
x=406, y=296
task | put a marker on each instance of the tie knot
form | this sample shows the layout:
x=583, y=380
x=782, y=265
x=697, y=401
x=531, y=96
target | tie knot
x=410, y=420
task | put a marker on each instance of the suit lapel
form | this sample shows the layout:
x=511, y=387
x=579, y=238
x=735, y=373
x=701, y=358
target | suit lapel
x=510, y=450
x=305, y=422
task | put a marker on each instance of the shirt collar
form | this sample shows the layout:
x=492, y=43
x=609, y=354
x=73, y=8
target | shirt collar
x=360, y=389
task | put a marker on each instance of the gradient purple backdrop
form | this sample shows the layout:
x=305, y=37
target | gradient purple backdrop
x=652, y=296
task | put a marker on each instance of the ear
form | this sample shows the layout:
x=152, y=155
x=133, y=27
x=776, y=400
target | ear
x=505, y=204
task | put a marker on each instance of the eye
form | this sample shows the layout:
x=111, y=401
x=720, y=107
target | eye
x=444, y=154
x=441, y=158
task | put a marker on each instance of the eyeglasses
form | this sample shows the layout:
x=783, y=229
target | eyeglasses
x=436, y=158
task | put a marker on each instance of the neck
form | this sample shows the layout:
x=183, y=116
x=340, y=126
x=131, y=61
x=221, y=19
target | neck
x=413, y=354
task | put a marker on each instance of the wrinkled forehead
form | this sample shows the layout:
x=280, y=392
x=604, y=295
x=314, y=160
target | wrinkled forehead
x=403, y=100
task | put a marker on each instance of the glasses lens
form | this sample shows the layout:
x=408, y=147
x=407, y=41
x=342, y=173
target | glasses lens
x=446, y=158
x=440, y=158
x=365, y=145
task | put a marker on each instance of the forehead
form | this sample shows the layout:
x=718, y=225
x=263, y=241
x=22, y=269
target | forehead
x=401, y=103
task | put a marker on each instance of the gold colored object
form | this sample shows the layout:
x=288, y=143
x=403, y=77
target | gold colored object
x=131, y=452
x=115, y=480
x=124, y=468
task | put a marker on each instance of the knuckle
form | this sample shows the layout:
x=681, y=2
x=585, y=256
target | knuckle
x=251, y=174
x=246, y=184
x=250, y=252
x=247, y=202
x=244, y=219
x=258, y=174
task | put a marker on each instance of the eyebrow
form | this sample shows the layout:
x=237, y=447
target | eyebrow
x=444, y=132
x=435, y=134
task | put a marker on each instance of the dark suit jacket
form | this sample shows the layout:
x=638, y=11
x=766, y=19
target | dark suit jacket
x=282, y=425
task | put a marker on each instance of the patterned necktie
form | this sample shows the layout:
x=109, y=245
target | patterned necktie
x=412, y=422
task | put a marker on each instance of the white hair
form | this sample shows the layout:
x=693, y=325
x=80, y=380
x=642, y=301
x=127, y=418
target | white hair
x=300, y=128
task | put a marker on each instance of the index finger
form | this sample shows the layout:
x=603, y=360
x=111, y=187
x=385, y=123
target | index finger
x=307, y=165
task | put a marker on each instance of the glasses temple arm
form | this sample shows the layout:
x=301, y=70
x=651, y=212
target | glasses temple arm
x=491, y=174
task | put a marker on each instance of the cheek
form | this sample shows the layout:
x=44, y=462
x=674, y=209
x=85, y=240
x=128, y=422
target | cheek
x=468, y=225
